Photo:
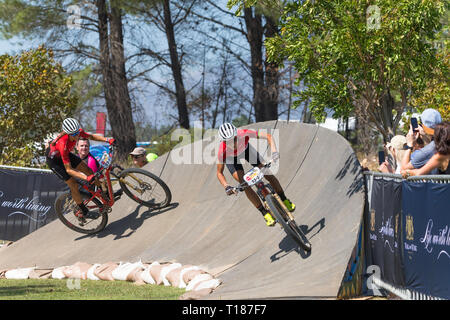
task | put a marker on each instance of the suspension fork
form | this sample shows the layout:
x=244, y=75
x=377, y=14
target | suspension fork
x=264, y=190
x=137, y=189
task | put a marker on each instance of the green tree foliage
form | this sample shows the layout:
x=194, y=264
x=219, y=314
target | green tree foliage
x=35, y=96
x=359, y=55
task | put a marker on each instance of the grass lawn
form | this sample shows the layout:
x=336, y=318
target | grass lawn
x=54, y=289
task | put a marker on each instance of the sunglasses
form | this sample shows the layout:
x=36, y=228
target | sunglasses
x=75, y=133
x=137, y=157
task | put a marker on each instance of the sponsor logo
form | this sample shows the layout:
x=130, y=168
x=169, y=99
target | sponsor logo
x=409, y=228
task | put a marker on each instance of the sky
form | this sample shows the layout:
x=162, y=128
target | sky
x=155, y=107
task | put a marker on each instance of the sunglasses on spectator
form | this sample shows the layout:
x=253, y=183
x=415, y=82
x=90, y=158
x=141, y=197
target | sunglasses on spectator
x=136, y=157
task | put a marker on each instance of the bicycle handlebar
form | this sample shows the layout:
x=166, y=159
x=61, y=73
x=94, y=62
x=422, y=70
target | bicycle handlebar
x=241, y=187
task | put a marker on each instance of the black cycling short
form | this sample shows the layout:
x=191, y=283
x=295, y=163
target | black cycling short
x=57, y=166
x=250, y=155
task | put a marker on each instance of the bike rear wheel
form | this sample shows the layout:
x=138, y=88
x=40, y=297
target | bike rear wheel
x=289, y=226
x=66, y=209
x=145, y=188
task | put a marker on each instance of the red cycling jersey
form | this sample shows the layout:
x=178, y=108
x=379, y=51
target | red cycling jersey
x=64, y=145
x=226, y=147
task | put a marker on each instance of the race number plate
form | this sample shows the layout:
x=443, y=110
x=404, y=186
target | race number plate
x=253, y=176
x=106, y=159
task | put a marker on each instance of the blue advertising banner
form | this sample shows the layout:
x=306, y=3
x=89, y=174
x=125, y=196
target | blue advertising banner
x=383, y=230
x=426, y=237
x=26, y=201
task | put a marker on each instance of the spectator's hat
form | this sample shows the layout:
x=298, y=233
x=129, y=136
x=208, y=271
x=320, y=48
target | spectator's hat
x=139, y=151
x=430, y=118
x=398, y=142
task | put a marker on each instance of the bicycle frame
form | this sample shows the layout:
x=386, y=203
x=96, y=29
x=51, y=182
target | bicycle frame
x=264, y=189
x=98, y=193
x=105, y=173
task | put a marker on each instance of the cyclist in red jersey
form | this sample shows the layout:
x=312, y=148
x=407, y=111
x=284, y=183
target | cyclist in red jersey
x=234, y=147
x=66, y=165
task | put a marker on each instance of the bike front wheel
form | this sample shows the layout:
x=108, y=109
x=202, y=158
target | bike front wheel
x=145, y=188
x=289, y=225
x=66, y=210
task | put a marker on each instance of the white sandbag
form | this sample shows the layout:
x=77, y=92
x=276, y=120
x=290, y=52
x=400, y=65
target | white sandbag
x=77, y=271
x=123, y=269
x=199, y=278
x=146, y=274
x=208, y=284
x=58, y=273
x=21, y=273
x=182, y=284
x=104, y=271
x=166, y=270
x=91, y=272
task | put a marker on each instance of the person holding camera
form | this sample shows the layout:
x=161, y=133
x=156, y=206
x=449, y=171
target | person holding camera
x=440, y=160
x=416, y=157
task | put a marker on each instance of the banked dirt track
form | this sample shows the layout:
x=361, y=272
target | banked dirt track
x=225, y=235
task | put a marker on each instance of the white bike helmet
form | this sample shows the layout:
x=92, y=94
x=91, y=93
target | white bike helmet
x=71, y=126
x=227, y=131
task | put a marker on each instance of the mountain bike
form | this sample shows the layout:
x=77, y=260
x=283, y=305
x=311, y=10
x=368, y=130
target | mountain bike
x=140, y=185
x=272, y=202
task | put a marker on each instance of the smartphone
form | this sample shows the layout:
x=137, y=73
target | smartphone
x=414, y=124
x=381, y=157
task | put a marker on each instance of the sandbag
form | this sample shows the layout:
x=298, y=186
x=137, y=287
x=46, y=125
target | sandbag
x=40, y=274
x=199, y=278
x=91, y=272
x=123, y=269
x=104, y=271
x=21, y=273
x=58, y=273
x=77, y=271
x=166, y=270
x=207, y=284
x=181, y=283
x=191, y=274
x=146, y=273
x=195, y=295
x=155, y=271
x=174, y=276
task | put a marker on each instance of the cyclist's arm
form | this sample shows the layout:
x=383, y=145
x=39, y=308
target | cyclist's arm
x=270, y=140
x=96, y=137
x=220, y=175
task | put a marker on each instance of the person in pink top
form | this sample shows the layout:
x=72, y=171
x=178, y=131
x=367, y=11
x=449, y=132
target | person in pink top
x=235, y=146
x=82, y=147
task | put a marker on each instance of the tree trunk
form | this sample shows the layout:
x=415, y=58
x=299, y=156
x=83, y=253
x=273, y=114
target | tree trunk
x=183, y=116
x=122, y=118
x=255, y=30
x=112, y=62
x=272, y=77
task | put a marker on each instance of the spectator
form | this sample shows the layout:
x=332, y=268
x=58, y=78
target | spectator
x=440, y=160
x=139, y=157
x=82, y=147
x=395, y=148
x=417, y=159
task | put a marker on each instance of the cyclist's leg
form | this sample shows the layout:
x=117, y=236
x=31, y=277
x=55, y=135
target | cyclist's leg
x=255, y=159
x=249, y=192
x=83, y=167
x=237, y=171
x=274, y=183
